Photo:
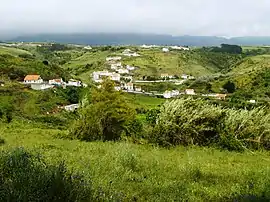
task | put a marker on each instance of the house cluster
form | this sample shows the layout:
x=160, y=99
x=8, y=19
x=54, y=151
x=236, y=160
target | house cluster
x=174, y=93
x=183, y=76
x=149, y=46
x=130, y=53
x=216, y=95
x=167, y=49
x=187, y=77
x=119, y=73
x=37, y=83
x=179, y=48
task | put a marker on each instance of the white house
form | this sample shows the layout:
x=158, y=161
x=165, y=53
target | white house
x=122, y=71
x=56, y=82
x=98, y=76
x=88, y=47
x=129, y=86
x=75, y=83
x=115, y=77
x=128, y=78
x=113, y=58
x=167, y=94
x=165, y=50
x=115, y=66
x=129, y=53
x=170, y=94
x=146, y=46
x=138, y=89
x=175, y=93
x=29, y=79
x=130, y=68
x=71, y=108
x=41, y=86
x=252, y=101
x=190, y=92
x=166, y=76
x=184, y=76
x=179, y=48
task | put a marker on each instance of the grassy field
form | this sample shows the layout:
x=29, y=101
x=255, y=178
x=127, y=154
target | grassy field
x=145, y=101
x=146, y=173
x=152, y=62
x=13, y=51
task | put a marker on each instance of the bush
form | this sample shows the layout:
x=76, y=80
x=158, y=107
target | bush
x=107, y=118
x=244, y=129
x=26, y=177
x=189, y=121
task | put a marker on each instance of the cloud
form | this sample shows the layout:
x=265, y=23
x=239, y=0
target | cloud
x=177, y=17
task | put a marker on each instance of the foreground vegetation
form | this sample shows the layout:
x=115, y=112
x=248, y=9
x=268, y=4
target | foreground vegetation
x=143, y=172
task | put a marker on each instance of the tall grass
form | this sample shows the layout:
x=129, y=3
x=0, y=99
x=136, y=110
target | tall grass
x=190, y=121
x=26, y=177
x=130, y=172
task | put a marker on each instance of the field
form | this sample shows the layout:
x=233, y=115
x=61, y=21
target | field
x=144, y=172
x=145, y=101
x=13, y=51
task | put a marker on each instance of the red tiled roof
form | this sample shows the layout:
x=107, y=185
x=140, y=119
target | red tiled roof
x=32, y=77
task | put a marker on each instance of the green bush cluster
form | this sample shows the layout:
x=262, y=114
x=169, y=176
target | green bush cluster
x=190, y=121
x=108, y=116
x=26, y=177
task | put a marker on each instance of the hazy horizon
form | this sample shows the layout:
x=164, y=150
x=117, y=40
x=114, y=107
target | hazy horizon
x=172, y=17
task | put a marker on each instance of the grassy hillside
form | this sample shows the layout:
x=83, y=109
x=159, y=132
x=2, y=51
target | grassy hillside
x=154, y=62
x=17, y=63
x=13, y=51
x=146, y=173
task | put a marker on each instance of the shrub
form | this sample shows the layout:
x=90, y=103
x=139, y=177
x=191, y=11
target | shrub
x=244, y=129
x=190, y=121
x=26, y=177
x=187, y=121
x=106, y=118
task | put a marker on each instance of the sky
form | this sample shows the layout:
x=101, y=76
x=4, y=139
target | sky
x=175, y=17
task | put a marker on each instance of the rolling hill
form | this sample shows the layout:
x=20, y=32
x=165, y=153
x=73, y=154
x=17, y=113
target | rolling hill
x=136, y=39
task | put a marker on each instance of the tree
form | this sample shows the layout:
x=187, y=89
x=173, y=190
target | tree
x=229, y=86
x=108, y=117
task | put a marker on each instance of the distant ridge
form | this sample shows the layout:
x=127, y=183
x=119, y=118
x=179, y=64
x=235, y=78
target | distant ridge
x=137, y=39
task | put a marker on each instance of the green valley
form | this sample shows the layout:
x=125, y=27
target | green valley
x=134, y=123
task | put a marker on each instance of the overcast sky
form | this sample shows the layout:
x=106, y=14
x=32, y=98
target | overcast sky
x=176, y=17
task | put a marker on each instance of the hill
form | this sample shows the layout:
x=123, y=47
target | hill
x=137, y=39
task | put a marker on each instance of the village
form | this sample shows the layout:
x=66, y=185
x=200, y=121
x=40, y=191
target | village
x=122, y=73
x=123, y=77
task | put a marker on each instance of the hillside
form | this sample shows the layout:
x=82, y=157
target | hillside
x=16, y=63
x=137, y=39
x=154, y=62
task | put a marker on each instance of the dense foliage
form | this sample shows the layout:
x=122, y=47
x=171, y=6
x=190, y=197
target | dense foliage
x=189, y=121
x=27, y=177
x=107, y=117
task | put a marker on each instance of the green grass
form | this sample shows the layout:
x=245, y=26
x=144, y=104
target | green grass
x=155, y=62
x=146, y=101
x=152, y=62
x=13, y=51
x=148, y=173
